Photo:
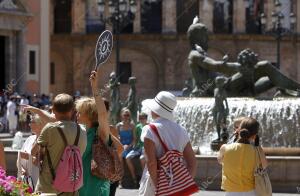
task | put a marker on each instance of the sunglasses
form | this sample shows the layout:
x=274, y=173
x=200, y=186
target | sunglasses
x=126, y=115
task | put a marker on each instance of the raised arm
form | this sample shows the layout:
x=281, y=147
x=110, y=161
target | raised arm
x=44, y=115
x=103, y=129
x=211, y=64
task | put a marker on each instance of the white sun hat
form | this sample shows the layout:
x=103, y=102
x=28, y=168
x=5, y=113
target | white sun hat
x=163, y=104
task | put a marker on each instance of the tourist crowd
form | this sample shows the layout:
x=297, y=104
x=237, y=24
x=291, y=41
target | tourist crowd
x=59, y=135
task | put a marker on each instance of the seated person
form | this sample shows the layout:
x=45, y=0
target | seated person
x=125, y=128
x=138, y=149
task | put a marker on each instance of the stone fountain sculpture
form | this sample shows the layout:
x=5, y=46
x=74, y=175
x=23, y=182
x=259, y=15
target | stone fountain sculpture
x=131, y=102
x=247, y=76
x=116, y=105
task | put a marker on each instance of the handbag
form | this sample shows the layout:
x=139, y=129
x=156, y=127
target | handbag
x=105, y=162
x=173, y=178
x=27, y=179
x=263, y=185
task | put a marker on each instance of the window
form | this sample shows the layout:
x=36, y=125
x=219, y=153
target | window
x=286, y=9
x=222, y=16
x=32, y=63
x=127, y=25
x=253, y=10
x=151, y=17
x=186, y=11
x=125, y=72
x=62, y=16
x=52, y=73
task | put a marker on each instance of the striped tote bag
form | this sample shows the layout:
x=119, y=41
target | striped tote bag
x=173, y=176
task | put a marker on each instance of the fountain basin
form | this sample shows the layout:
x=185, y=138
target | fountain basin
x=279, y=120
x=283, y=171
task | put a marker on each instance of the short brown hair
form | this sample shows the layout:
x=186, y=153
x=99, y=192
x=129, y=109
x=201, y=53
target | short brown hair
x=63, y=103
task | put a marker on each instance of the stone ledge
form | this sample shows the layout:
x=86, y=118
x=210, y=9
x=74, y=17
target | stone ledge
x=283, y=171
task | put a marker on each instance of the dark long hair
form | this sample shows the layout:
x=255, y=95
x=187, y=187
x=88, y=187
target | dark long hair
x=249, y=127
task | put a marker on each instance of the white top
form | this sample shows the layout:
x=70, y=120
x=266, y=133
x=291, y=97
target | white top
x=27, y=146
x=11, y=108
x=24, y=101
x=172, y=134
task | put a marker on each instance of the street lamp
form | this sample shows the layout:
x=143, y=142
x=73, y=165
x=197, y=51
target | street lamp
x=121, y=12
x=277, y=29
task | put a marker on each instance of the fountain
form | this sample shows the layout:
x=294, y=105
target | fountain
x=279, y=119
x=248, y=78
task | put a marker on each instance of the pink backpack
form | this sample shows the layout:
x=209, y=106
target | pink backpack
x=68, y=176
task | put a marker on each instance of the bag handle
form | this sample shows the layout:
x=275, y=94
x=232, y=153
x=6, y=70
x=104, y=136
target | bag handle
x=154, y=129
x=258, y=158
x=19, y=165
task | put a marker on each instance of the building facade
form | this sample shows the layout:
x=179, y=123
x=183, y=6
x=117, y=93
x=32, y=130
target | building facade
x=154, y=47
x=24, y=46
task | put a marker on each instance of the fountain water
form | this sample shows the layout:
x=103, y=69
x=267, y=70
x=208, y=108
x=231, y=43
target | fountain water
x=279, y=119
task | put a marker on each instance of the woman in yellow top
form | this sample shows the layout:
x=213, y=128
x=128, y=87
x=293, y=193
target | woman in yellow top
x=238, y=160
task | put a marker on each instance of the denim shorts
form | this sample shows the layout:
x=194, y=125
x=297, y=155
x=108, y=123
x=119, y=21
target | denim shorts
x=134, y=153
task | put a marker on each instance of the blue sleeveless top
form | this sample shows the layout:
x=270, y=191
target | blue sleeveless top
x=126, y=136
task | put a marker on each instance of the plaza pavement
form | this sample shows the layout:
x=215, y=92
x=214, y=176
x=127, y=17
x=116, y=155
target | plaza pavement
x=134, y=192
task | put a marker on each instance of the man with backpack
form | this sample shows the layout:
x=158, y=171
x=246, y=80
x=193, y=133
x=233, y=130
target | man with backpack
x=61, y=145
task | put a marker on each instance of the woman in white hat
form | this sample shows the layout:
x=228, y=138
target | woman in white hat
x=173, y=135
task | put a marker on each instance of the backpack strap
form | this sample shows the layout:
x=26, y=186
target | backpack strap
x=62, y=135
x=154, y=129
x=50, y=163
x=77, y=135
x=60, y=131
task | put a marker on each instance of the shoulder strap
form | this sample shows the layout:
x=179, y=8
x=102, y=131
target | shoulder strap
x=62, y=135
x=154, y=129
x=77, y=135
x=258, y=158
x=50, y=164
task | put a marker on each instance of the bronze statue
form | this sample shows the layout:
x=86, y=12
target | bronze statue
x=220, y=108
x=188, y=87
x=198, y=36
x=131, y=102
x=249, y=76
x=115, y=108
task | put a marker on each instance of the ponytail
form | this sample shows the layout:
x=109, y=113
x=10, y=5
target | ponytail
x=244, y=136
x=256, y=143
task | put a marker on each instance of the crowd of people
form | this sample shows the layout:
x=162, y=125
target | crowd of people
x=43, y=151
x=12, y=117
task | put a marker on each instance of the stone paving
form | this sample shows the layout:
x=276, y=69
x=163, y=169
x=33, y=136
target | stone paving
x=134, y=192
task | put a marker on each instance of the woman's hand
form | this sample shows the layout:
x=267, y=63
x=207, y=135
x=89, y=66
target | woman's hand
x=28, y=108
x=94, y=82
